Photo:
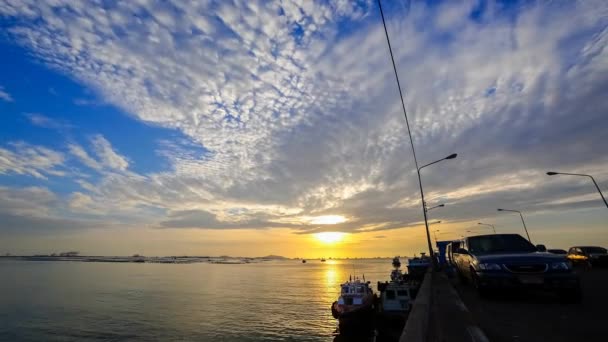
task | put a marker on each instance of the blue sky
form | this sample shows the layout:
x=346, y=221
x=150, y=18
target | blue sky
x=222, y=117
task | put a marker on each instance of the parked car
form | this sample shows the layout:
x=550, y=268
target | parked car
x=449, y=252
x=500, y=261
x=557, y=251
x=596, y=256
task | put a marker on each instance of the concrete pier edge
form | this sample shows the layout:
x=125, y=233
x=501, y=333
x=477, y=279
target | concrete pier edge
x=438, y=314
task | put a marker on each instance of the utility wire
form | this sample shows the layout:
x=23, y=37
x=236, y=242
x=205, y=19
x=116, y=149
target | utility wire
x=426, y=223
x=390, y=50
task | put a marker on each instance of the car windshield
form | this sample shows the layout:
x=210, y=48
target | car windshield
x=490, y=244
x=594, y=250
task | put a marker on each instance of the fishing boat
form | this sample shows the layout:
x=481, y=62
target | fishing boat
x=322, y=259
x=395, y=294
x=303, y=261
x=417, y=266
x=394, y=304
x=354, y=309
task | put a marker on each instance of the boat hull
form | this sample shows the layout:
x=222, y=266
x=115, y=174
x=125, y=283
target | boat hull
x=355, y=320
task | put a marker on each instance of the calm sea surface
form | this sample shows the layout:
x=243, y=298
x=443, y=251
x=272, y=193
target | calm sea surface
x=269, y=301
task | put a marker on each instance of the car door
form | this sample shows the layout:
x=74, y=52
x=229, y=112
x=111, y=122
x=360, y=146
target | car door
x=448, y=253
x=454, y=245
x=461, y=259
x=465, y=263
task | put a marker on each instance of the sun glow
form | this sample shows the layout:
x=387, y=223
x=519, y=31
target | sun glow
x=330, y=237
x=328, y=219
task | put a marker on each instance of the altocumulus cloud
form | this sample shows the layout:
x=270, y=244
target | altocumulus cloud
x=296, y=106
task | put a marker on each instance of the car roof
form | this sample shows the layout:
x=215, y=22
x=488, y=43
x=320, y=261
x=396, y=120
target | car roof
x=472, y=236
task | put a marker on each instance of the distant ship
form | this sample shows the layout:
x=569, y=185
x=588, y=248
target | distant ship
x=417, y=266
x=354, y=308
x=303, y=261
x=322, y=259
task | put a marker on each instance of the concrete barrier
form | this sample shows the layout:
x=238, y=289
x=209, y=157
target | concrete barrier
x=439, y=314
x=416, y=327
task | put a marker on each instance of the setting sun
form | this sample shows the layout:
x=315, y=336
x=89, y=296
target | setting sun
x=330, y=237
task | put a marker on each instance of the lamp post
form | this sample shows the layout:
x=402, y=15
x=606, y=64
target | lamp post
x=426, y=223
x=551, y=173
x=487, y=224
x=437, y=206
x=522, y=220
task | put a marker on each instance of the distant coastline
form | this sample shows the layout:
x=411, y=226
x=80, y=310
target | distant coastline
x=144, y=259
x=158, y=259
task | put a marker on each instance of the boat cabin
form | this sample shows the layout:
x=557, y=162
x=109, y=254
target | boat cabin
x=354, y=292
x=396, y=297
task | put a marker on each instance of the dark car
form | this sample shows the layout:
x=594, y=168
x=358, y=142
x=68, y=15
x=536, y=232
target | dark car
x=596, y=256
x=557, y=251
x=449, y=252
x=500, y=261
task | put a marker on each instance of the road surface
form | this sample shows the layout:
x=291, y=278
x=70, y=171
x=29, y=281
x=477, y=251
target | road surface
x=529, y=316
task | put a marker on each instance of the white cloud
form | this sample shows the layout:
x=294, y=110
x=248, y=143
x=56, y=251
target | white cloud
x=44, y=121
x=107, y=155
x=5, y=96
x=25, y=159
x=292, y=106
x=83, y=156
x=33, y=201
x=108, y=158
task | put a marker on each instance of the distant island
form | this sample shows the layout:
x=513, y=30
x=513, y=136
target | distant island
x=136, y=258
x=274, y=257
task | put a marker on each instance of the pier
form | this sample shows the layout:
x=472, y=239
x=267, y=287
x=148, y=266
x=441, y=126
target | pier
x=449, y=310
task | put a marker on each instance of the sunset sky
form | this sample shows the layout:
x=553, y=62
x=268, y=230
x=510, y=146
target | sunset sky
x=248, y=127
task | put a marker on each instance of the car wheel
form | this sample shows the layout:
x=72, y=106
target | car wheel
x=483, y=291
x=461, y=276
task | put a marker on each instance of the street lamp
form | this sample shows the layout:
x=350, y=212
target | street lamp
x=551, y=173
x=437, y=206
x=426, y=222
x=487, y=224
x=451, y=156
x=522, y=220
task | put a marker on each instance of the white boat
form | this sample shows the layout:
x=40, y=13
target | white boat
x=394, y=304
x=354, y=308
x=395, y=294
